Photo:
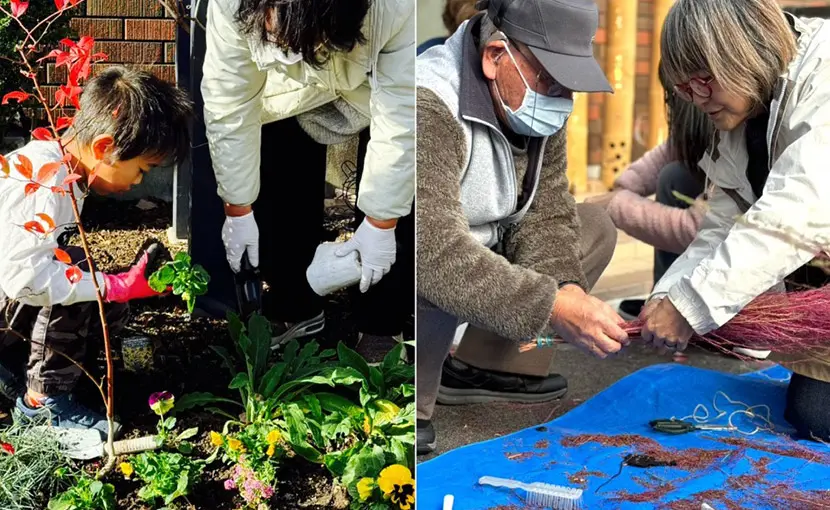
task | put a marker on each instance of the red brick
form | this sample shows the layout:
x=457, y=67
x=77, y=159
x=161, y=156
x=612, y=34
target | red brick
x=150, y=30
x=643, y=38
x=105, y=28
x=169, y=52
x=125, y=8
x=132, y=52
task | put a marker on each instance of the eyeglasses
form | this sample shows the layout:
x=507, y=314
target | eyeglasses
x=697, y=86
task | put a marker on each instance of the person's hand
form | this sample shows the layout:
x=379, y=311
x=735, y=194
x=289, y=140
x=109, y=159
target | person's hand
x=648, y=308
x=602, y=200
x=131, y=284
x=587, y=322
x=377, y=250
x=664, y=327
x=240, y=234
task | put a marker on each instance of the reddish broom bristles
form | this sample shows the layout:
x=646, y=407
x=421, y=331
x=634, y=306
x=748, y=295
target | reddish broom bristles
x=787, y=323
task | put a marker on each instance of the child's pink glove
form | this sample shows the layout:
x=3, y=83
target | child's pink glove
x=132, y=284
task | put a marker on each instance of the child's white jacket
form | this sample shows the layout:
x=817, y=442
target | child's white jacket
x=29, y=272
x=245, y=85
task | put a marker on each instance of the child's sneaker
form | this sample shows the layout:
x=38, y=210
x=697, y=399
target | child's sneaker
x=65, y=412
x=10, y=386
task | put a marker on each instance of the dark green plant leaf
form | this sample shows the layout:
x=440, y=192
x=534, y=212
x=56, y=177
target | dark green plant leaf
x=239, y=381
x=187, y=434
x=328, y=353
x=182, y=257
x=197, y=399
x=259, y=331
x=227, y=361
x=313, y=405
x=271, y=380
x=185, y=447
x=351, y=358
x=332, y=403
x=367, y=462
x=392, y=358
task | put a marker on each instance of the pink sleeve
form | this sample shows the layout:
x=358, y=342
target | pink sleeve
x=667, y=228
x=641, y=176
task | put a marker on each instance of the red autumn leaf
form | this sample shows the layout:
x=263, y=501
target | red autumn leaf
x=58, y=190
x=69, y=179
x=24, y=166
x=63, y=256
x=34, y=227
x=16, y=95
x=4, y=165
x=31, y=188
x=85, y=43
x=63, y=123
x=68, y=92
x=48, y=171
x=47, y=219
x=19, y=7
x=100, y=56
x=43, y=134
x=8, y=448
x=73, y=274
x=60, y=4
x=68, y=42
x=51, y=54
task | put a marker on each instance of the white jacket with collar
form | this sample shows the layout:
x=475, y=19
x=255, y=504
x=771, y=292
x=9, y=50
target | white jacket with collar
x=731, y=262
x=244, y=86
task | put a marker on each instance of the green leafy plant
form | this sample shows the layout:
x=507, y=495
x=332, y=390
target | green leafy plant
x=187, y=280
x=166, y=476
x=263, y=388
x=85, y=493
x=30, y=455
x=161, y=403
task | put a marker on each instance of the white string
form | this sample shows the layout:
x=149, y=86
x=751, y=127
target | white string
x=765, y=414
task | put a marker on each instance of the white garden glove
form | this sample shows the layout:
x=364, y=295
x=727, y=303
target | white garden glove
x=376, y=247
x=240, y=233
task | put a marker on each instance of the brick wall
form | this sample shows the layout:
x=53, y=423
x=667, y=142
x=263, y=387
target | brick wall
x=645, y=25
x=136, y=33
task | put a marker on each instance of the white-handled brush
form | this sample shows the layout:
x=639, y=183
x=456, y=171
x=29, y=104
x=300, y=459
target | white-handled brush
x=449, y=499
x=547, y=495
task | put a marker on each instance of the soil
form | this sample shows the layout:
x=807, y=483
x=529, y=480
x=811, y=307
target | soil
x=185, y=363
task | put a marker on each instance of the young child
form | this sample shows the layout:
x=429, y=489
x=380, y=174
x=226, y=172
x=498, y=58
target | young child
x=129, y=122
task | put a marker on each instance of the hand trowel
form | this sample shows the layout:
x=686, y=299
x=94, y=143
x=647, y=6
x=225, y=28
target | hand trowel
x=85, y=444
x=248, y=289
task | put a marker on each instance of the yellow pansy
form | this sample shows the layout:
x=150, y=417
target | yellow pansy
x=271, y=448
x=273, y=436
x=367, y=425
x=126, y=468
x=397, y=485
x=216, y=439
x=365, y=487
x=234, y=444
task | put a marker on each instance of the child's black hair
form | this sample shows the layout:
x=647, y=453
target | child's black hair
x=146, y=115
x=306, y=26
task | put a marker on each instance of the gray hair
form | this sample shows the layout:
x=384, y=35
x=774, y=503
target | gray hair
x=488, y=32
x=690, y=130
x=744, y=44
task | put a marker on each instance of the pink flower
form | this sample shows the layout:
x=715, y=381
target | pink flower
x=230, y=484
x=161, y=402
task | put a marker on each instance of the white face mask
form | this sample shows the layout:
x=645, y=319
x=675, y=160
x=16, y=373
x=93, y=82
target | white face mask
x=538, y=115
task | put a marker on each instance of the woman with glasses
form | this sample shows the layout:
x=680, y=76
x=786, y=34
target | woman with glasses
x=763, y=78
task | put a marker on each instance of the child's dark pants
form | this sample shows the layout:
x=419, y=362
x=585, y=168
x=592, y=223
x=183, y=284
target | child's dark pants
x=67, y=329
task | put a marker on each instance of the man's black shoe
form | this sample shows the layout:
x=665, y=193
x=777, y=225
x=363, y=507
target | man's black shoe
x=425, y=437
x=464, y=384
x=630, y=308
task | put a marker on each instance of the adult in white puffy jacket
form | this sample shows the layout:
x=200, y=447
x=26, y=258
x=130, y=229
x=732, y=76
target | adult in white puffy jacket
x=763, y=77
x=281, y=81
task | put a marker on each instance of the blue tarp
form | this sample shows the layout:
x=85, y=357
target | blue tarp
x=662, y=391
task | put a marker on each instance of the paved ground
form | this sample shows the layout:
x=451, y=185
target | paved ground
x=460, y=425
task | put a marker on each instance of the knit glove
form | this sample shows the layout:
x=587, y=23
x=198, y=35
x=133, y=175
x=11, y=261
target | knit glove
x=377, y=250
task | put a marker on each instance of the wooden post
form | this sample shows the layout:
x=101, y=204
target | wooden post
x=658, y=130
x=578, y=144
x=621, y=59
